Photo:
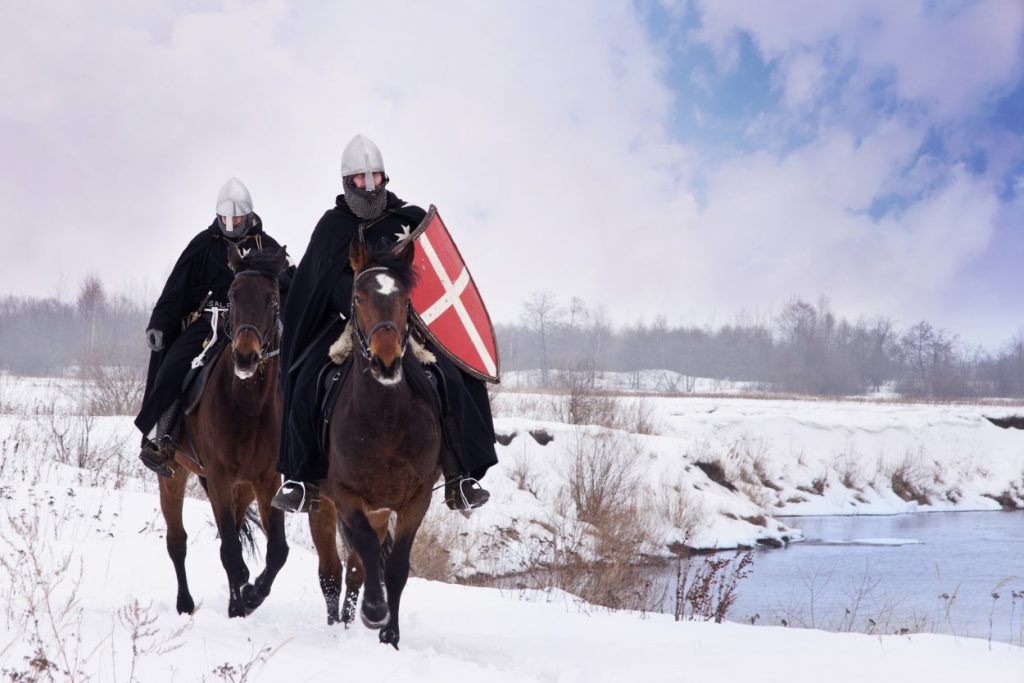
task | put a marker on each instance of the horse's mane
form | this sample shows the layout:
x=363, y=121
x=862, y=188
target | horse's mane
x=382, y=254
x=264, y=262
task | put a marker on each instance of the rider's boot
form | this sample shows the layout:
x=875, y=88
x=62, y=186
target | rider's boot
x=158, y=456
x=461, y=491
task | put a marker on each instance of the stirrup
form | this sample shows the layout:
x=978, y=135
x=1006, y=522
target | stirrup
x=284, y=500
x=157, y=461
x=462, y=502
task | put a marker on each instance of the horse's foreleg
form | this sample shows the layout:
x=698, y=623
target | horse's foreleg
x=323, y=526
x=396, y=572
x=354, y=578
x=222, y=500
x=277, y=545
x=364, y=540
x=172, y=494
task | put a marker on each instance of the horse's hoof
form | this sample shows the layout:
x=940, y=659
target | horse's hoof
x=348, y=614
x=253, y=597
x=236, y=605
x=389, y=636
x=375, y=615
x=185, y=604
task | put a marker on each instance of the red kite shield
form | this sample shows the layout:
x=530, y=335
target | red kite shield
x=447, y=303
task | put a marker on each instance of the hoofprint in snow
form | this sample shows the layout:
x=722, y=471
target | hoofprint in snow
x=105, y=533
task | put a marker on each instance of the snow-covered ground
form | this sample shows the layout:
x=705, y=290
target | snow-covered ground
x=116, y=570
x=101, y=524
x=660, y=381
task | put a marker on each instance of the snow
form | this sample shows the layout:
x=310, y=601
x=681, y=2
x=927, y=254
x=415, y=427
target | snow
x=449, y=632
x=109, y=533
x=871, y=541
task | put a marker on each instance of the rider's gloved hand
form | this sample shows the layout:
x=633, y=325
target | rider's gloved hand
x=155, y=339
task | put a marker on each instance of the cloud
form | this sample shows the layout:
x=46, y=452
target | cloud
x=944, y=55
x=520, y=120
x=546, y=133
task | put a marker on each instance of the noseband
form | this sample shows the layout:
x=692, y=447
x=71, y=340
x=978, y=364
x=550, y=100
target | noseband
x=364, y=339
x=262, y=336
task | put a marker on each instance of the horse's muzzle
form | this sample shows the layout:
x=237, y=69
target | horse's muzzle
x=246, y=362
x=386, y=374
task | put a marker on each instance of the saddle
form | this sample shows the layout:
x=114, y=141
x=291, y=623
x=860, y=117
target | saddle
x=195, y=381
x=191, y=391
x=335, y=372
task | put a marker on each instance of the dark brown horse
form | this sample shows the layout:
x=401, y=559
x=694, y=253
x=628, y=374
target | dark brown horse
x=234, y=431
x=384, y=448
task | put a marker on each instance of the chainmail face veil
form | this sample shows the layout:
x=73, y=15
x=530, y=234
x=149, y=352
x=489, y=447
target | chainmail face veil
x=365, y=204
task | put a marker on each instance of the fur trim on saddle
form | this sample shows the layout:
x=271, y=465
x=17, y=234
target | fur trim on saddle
x=342, y=349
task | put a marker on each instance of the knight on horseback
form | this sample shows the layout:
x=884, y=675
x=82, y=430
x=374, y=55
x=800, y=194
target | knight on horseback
x=177, y=329
x=314, y=318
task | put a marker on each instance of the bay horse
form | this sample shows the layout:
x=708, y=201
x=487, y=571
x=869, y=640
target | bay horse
x=233, y=433
x=384, y=448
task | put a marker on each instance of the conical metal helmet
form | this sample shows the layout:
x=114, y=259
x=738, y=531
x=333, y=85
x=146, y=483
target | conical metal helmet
x=362, y=156
x=234, y=200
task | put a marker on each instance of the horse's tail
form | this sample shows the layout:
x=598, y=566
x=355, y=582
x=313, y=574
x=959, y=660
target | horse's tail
x=252, y=517
x=389, y=540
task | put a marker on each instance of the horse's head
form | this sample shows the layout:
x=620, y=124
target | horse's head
x=255, y=305
x=381, y=305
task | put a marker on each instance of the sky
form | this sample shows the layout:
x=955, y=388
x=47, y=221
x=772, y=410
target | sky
x=696, y=160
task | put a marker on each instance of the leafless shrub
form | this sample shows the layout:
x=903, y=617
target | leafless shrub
x=616, y=576
x=636, y=416
x=680, y=509
x=521, y=472
x=241, y=672
x=707, y=589
x=909, y=478
x=75, y=440
x=144, y=637
x=849, y=474
x=579, y=403
x=110, y=388
x=41, y=599
x=602, y=475
x=431, y=556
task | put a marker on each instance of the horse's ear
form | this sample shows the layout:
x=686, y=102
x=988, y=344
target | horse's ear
x=407, y=251
x=281, y=258
x=234, y=258
x=357, y=253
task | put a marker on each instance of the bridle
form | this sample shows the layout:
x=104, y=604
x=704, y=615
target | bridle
x=364, y=339
x=264, y=336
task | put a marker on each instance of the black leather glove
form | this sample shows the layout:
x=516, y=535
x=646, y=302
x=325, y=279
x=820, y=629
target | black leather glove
x=155, y=339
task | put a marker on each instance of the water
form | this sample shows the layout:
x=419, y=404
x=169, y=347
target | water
x=934, y=572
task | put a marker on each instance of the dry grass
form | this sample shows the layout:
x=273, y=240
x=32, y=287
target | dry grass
x=681, y=509
x=909, y=478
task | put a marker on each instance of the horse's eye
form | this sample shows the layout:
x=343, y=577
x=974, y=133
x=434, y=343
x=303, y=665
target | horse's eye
x=357, y=299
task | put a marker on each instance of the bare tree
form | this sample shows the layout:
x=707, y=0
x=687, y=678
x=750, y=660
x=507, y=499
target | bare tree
x=542, y=315
x=91, y=304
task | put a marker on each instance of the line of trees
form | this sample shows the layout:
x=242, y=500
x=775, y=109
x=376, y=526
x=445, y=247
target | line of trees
x=46, y=336
x=804, y=349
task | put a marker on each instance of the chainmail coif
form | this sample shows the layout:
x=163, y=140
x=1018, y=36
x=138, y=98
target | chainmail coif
x=364, y=203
